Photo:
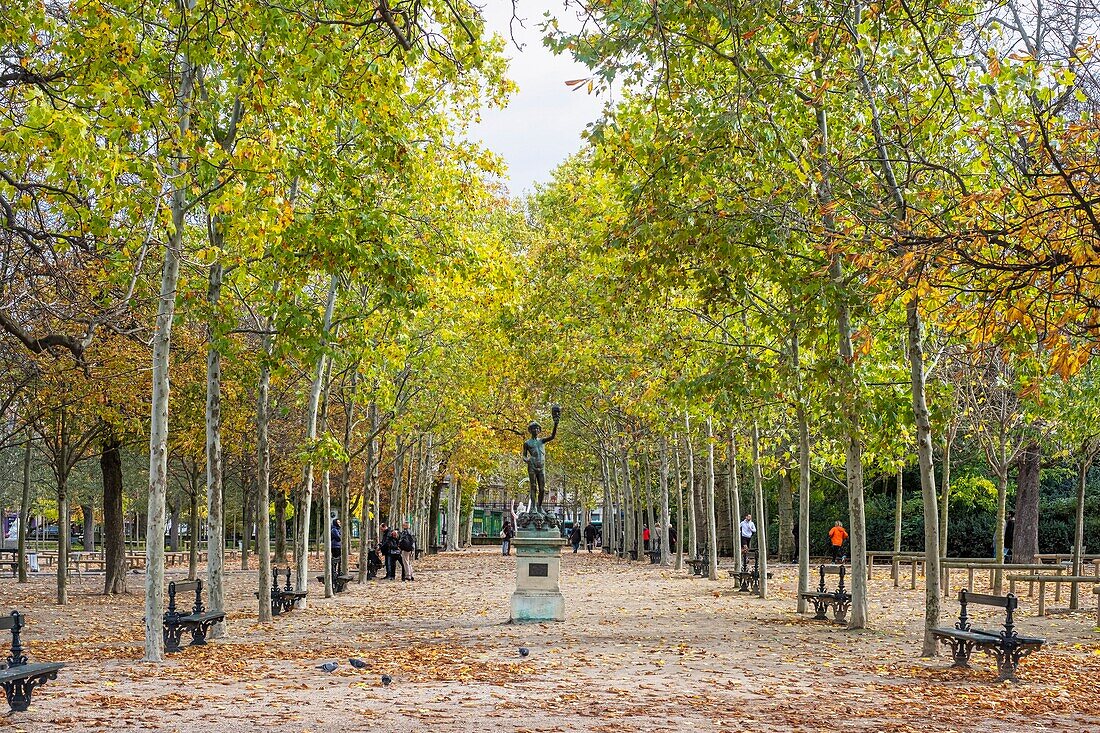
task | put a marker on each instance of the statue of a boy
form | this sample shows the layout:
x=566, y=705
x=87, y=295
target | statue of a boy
x=534, y=455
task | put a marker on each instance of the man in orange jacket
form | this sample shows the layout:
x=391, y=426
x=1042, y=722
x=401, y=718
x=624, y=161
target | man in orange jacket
x=837, y=535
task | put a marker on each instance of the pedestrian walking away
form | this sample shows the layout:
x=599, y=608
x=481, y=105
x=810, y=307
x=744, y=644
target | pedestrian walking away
x=406, y=541
x=748, y=529
x=590, y=536
x=575, y=538
x=837, y=535
x=506, y=535
x=1010, y=533
x=336, y=537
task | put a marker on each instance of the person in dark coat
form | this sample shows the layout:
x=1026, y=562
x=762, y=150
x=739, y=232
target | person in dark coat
x=506, y=535
x=590, y=536
x=391, y=550
x=575, y=538
x=336, y=538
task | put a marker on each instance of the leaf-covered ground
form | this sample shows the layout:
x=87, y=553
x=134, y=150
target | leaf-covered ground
x=643, y=649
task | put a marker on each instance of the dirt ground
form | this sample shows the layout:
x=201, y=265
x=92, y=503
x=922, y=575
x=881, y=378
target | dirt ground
x=643, y=649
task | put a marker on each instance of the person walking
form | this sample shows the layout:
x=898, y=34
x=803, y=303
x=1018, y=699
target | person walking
x=590, y=536
x=672, y=538
x=645, y=537
x=506, y=535
x=748, y=529
x=406, y=541
x=335, y=540
x=1010, y=533
x=575, y=538
x=391, y=550
x=837, y=535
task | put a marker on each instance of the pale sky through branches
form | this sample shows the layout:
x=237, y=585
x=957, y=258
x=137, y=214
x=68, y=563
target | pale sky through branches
x=542, y=124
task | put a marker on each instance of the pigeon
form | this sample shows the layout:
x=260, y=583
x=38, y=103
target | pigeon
x=328, y=666
x=524, y=651
x=386, y=680
x=357, y=663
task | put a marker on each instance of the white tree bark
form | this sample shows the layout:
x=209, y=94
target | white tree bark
x=927, y=479
x=302, y=546
x=215, y=490
x=735, y=487
x=679, y=505
x=263, y=466
x=897, y=511
x=803, y=505
x=712, y=519
x=762, y=528
x=692, y=530
x=158, y=424
x=664, y=501
x=368, y=532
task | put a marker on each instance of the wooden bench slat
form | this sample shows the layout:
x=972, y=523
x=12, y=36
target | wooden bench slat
x=983, y=599
x=23, y=671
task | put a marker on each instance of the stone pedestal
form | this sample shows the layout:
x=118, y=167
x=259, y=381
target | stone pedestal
x=538, y=567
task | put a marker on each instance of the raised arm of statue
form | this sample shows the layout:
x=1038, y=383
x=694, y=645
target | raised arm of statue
x=553, y=433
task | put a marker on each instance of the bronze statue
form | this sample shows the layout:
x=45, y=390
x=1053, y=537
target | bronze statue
x=534, y=455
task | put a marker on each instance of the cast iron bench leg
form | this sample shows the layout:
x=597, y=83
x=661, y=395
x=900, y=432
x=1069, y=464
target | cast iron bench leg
x=172, y=635
x=18, y=692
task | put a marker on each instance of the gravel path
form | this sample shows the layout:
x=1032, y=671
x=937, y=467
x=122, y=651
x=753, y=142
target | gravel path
x=643, y=649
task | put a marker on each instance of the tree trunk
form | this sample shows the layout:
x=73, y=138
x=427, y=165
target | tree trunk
x=63, y=534
x=664, y=502
x=433, y=516
x=114, y=526
x=1087, y=456
x=87, y=513
x=712, y=519
x=367, y=532
x=281, y=501
x=735, y=499
x=999, y=529
x=608, y=524
x=174, y=527
x=692, y=530
x=898, y=492
x=786, y=515
x=264, y=474
x=758, y=495
x=326, y=531
x=803, y=504
x=394, y=512
x=193, y=534
x=1025, y=539
x=945, y=488
x=345, y=480
x=303, y=523
x=24, y=510
x=215, y=489
x=158, y=426
x=927, y=478
x=679, y=505
x=853, y=460
x=247, y=513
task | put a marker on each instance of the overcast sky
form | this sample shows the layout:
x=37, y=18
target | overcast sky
x=542, y=124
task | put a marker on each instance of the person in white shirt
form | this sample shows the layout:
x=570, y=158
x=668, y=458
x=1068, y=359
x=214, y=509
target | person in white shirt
x=748, y=529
